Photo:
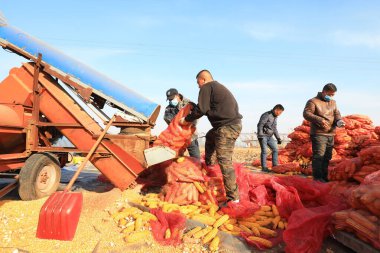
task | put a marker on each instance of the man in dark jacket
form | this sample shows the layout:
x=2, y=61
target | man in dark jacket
x=176, y=103
x=324, y=116
x=219, y=105
x=266, y=128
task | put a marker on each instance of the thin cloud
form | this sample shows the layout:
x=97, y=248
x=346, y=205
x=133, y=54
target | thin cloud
x=352, y=38
x=91, y=54
x=268, y=85
x=266, y=31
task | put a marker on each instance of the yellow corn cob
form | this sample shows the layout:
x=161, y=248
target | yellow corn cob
x=129, y=228
x=122, y=222
x=264, y=222
x=245, y=229
x=249, y=219
x=285, y=224
x=214, y=245
x=260, y=212
x=221, y=221
x=197, y=203
x=193, y=231
x=255, y=231
x=267, y=231
x=281, y=225
x=223, y=228
x=217, y=215
x=180, y=159
x=233, y=232
x=210, y=235
x=148, y=216
x=275, y=221
x=185, y=210
x=201, y=233
x=236, y=229
x=229, y=227
x=199, y=187
x=249, y=224
x=195, y=212
x=151, y=195
x=260, y=217
x=167, y=233
x=206, y=207
x=152, y=204
x=137, y=236
x=269, y=214
x=265, y=208
x=361, y=229
x=212, y=210
x=138, y=223
x=262, y=241
x=275, y=210
x=118, y=216
x=231, y=221
x=204, y=219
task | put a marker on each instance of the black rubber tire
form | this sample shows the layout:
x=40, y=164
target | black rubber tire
x=36, y=164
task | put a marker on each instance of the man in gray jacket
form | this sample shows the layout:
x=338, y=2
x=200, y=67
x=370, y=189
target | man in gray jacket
x=266, y=128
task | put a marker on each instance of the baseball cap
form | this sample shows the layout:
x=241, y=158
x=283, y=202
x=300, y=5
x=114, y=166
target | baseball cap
x=170, y=94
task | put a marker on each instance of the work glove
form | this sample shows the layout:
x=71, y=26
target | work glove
x=340, y=123
x=279, y=141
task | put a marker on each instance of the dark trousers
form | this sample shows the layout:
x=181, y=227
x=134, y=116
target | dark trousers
x=222, y=141
x=322, y=153
x=193, y=149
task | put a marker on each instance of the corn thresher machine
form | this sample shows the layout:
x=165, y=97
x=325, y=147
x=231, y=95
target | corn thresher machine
x=54, y=96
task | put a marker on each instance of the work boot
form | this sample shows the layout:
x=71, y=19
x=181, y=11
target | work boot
x=265, y=169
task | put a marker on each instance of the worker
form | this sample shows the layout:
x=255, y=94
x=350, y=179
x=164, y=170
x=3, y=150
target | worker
x=324, y=116
x=176, y=103
x=266, y=128
x=219, y=105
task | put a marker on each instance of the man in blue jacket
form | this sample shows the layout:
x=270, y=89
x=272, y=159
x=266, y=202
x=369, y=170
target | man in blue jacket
x=266, y=128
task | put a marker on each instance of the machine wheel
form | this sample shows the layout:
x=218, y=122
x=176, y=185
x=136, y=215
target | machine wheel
x=39, y=177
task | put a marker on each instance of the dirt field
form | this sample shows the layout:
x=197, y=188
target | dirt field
x=96, y=231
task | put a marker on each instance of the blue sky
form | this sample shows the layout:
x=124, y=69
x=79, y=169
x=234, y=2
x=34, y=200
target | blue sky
x=265, y=52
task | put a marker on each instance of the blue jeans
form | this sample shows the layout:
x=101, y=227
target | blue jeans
x=270, y=142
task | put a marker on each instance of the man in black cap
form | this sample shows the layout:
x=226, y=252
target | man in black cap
x=176, y=103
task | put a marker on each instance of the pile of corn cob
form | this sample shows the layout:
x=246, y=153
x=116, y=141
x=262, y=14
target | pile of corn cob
x=263, y=222
x=134, y=223
x=364, y=224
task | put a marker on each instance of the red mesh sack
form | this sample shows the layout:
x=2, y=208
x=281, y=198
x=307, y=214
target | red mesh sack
x=174, y=221
x=303, y=128
x=377, y=130
x=242, y=209
x=287, y=167
x=373, y=178
x=308, y=227
x=177, y=137
x=299, y=136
